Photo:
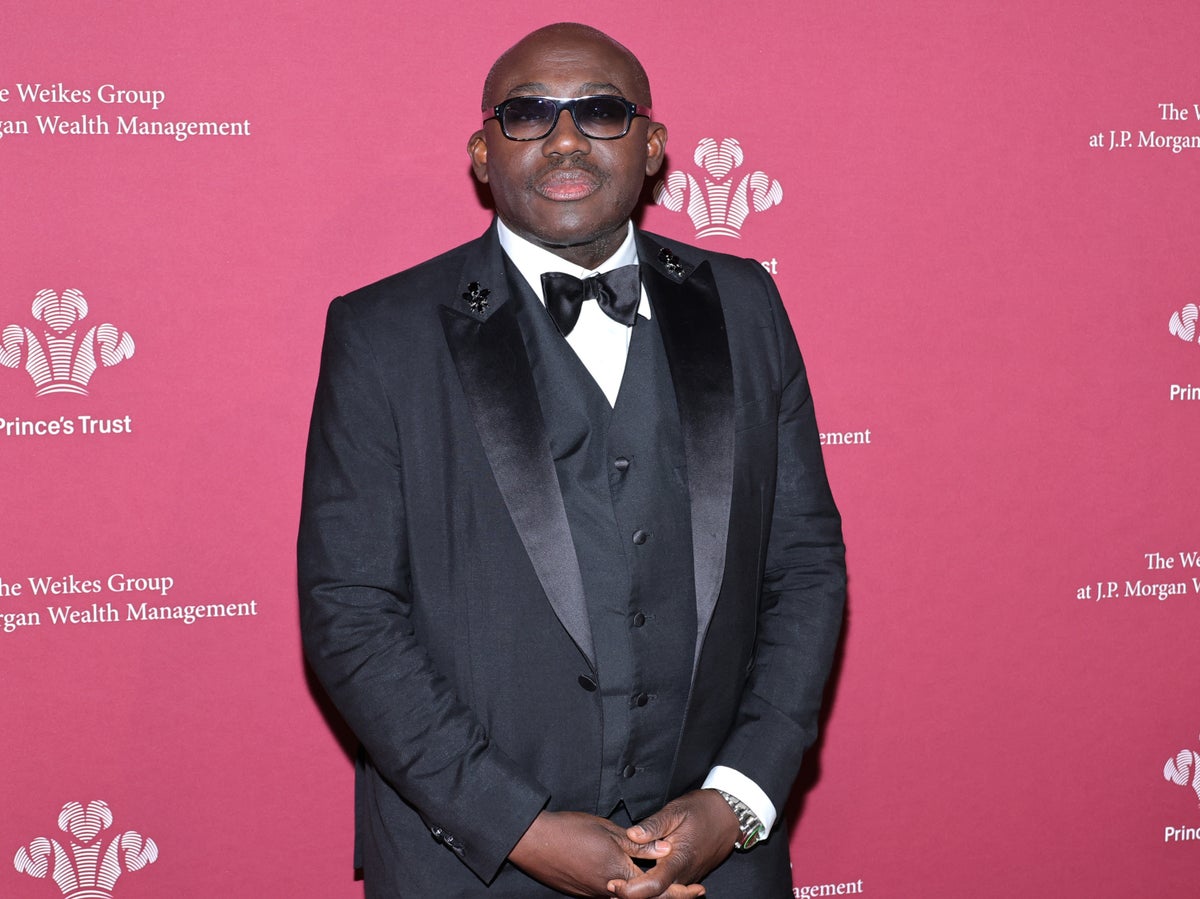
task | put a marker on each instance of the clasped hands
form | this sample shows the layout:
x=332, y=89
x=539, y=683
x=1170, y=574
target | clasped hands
x=584, y=855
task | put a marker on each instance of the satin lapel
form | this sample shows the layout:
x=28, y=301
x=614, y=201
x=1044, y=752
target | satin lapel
x=489, y=354
x=692, y=323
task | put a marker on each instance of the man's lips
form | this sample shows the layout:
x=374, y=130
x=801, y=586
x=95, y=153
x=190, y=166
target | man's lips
x=564, y=185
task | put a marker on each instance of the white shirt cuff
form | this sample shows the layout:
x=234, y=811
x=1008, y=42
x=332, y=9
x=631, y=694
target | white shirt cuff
x=735, y=783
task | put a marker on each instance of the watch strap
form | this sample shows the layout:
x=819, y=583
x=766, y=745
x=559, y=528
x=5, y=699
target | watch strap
x=751, y=827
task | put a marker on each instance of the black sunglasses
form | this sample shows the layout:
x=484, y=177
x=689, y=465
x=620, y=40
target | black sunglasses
x=601, y=117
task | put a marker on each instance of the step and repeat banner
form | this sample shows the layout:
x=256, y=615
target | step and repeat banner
x=983, y=219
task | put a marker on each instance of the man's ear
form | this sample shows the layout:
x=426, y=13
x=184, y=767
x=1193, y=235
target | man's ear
x=477, y=150
x=656, y=147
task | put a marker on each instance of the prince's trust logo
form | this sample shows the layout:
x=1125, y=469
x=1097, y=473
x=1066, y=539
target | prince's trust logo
x=89, y=865
x=1183, y=770
x=63, y=357
x=720, y=204
x=1183, y=323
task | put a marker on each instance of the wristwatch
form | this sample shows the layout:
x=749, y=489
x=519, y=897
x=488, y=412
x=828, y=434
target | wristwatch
x=749, y=823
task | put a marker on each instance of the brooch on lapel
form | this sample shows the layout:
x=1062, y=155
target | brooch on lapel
x=671, y=262
x=476, y=297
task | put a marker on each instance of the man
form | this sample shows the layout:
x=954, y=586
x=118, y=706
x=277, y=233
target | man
x=563, y=573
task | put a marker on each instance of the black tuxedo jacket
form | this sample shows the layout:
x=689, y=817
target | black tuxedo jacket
x=441, y=601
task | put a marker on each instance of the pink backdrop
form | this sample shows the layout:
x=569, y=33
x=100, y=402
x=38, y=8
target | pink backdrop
x=996, y=305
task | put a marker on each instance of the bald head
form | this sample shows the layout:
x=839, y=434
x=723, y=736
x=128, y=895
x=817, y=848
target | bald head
x=566, y=191
x=565, y=38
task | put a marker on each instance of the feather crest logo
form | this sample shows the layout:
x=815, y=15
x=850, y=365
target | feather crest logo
x=1183, y=323
x=1184, y=770
x=87, y=867
x=63, y=357
x=716, y=203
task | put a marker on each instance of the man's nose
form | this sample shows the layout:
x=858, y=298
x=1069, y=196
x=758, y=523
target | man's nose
x=565, y=139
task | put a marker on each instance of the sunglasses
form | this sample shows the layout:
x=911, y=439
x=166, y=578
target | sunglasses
x=601, y=117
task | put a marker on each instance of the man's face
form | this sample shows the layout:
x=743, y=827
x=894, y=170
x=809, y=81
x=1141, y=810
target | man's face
x=566, y=192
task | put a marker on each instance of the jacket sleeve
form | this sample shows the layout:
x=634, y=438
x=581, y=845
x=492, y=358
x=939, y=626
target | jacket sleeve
x=355, y=602
x=803, y=589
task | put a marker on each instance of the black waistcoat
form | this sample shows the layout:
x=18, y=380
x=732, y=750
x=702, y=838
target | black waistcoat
x=624, y=484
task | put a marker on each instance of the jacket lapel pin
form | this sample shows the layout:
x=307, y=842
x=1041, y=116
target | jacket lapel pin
x=476, y=297
x=671, y=262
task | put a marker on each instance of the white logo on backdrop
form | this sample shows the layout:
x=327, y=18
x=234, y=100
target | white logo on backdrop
x=1183, y=323
x=1184, y=770
x=63, y=358
x=720, y=204
x=88, y=866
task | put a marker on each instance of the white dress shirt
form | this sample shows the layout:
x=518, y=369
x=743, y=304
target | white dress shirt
x=602, y=345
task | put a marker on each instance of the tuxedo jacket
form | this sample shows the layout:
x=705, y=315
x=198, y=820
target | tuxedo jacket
x=442, y=606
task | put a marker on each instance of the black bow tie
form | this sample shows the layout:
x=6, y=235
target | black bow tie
x=618, y=292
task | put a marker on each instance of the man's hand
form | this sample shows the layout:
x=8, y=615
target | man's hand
x=700, y=829
x=580, y=854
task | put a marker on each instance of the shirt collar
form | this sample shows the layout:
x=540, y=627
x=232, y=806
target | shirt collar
x=532, y=261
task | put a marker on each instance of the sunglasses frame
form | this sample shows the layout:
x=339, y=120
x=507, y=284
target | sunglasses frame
x=632, y=111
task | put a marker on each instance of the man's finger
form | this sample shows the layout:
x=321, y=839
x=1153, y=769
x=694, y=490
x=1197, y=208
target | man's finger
x=648, y=849
x=653, y=850
x=651, y=883
x=682, y=891
x=674, y=891
x=657, y=826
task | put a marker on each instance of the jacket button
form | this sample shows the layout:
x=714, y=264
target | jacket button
x=639, y=619
x=628, y=771
x=587, y=683
x=621, y=463
x=640, y=700
x=640, y=537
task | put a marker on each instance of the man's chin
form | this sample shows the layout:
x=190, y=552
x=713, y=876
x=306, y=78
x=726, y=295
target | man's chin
x=576, y=235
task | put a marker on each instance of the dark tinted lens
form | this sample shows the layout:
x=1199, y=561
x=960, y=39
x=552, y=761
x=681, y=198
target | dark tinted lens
x=526, y=118
x=601, y=116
